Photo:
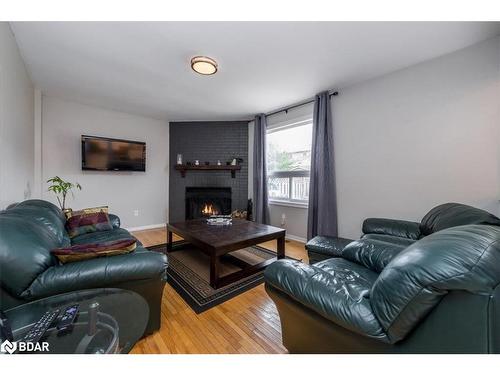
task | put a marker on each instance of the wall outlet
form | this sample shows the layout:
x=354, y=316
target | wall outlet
x=283, y=219
x=136, y=212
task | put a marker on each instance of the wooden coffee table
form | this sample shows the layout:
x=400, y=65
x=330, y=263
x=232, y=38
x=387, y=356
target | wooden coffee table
x=219, y=241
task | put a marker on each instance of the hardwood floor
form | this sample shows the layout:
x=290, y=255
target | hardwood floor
x=248, y=323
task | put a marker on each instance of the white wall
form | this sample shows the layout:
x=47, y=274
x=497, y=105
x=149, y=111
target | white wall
x=419, y=137
x=295, y=221
x=413, y=139
x=63, y=122
x=16, y=123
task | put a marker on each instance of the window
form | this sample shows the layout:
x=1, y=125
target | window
x=289, y=162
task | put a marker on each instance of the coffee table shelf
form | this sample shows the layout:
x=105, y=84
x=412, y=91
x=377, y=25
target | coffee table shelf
x=183, y=168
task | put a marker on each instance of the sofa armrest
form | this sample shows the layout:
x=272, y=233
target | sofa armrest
x=329, y=246
x=391, y=227
x=99, y=273
x=115, y=221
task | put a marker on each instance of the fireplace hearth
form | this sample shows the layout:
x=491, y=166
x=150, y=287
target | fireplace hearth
x=205, y=201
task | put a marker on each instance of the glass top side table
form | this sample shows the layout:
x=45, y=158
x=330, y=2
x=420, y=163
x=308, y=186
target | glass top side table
x=120, y=322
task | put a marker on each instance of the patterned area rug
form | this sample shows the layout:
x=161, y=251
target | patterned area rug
x=189, y=274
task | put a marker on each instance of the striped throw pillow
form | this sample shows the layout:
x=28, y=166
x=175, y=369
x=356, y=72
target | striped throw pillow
x=83, y=223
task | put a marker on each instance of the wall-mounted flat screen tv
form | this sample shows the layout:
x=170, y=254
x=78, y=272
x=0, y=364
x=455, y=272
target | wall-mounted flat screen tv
x=107, y=154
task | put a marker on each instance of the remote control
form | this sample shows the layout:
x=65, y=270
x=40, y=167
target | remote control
x=38, y=330
x=67, y=318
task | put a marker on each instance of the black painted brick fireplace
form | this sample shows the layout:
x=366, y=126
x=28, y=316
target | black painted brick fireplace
x=207, y=141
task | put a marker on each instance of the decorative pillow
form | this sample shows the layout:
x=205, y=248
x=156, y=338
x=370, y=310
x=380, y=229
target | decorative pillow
x=83, y=223
x=88, y=251
x=91, y=210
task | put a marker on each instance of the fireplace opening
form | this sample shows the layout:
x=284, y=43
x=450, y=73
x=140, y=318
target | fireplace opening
x=206, y=201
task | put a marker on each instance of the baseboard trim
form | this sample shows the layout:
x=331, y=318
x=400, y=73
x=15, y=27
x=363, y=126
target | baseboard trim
x=295, y=238
x=146, y=227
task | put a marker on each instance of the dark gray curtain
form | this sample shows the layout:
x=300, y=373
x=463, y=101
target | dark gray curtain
x=322, y=212
x=260, y=200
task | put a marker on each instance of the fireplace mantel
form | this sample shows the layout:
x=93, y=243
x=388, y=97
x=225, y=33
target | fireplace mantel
x=183, y=168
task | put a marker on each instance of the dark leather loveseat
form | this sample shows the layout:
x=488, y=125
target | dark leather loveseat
x=28, y=271
x=439, y=293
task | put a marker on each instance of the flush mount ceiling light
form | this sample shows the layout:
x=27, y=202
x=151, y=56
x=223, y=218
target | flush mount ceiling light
x=204, y=65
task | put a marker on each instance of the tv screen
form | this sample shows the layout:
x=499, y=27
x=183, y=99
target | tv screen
x=106, y=154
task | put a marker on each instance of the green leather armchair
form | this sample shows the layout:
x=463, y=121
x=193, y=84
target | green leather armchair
x=440, y=294
x=28, y=271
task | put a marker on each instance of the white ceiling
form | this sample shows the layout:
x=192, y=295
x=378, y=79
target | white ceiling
x=143, y=67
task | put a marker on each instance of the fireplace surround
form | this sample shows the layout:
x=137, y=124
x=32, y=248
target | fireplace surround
x=207, y=142
x=205, y=201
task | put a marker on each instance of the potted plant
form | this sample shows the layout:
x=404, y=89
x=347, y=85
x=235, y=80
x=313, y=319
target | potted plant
x=61, y=189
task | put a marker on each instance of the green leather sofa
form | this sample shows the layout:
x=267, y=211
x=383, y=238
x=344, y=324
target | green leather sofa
x=439, y=293
x=28, y=271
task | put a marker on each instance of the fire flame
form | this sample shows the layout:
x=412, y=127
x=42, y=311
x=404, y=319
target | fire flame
x=208, y=209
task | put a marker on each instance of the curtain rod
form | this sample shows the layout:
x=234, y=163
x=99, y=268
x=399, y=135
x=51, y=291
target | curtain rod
x=300, y=104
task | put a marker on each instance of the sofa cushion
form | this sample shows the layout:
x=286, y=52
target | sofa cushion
x=372, y=254
x=461, y=258
x=454, y=214
x=335, y=288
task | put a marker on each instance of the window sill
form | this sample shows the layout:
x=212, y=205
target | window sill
x=288, y=204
